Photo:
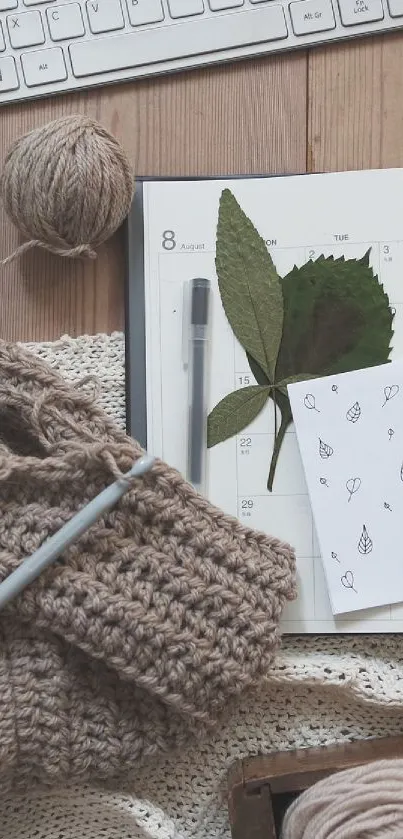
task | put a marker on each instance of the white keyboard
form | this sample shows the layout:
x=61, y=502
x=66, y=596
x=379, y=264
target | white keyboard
x=52, y=46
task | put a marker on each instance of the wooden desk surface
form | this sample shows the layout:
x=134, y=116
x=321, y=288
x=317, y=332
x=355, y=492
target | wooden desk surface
x=337, y=107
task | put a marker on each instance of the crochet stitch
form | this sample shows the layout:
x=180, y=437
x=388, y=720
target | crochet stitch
x=136, y=639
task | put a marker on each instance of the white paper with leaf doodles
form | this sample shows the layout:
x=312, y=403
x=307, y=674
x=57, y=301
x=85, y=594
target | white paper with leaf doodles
x=350, y=435
x=300, y=217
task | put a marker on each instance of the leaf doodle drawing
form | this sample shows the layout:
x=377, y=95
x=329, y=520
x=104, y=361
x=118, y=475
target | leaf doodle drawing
x=334, y=556
x=389, y=393
x=335, y=389
x=309, y=402
x=325, y=450
x=365, y=543
x=352, y=486
x=353, y=414
x=347, y=580
x=390, y=433
x=387, y=506
x=324, y=482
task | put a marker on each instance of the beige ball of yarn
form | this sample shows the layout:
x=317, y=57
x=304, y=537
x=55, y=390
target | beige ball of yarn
x=358, y=803
x=67, y=186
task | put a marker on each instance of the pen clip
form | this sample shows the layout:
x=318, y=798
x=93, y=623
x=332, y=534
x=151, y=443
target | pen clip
x=186, y=304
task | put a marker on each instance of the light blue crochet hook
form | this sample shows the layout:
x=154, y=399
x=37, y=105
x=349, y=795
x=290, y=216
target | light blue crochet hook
x=32, y=567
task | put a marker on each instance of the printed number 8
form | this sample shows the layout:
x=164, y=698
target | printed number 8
x=168, y=240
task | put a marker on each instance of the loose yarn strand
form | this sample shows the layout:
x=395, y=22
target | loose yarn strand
x=82, y=251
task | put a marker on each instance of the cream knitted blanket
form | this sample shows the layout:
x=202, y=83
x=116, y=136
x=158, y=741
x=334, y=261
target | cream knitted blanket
x=320, y=690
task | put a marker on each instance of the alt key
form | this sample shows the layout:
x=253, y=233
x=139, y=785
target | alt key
x=309, y=16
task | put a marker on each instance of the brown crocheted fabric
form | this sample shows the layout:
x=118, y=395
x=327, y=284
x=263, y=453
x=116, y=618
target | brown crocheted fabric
x=139, y=635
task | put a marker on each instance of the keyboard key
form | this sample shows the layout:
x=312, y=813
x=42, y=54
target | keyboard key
x=217, y=5
x=353, y=12
x=25, y=30
x=311, y=16
x=105, y=15
x=104, y=55
x=185, y=8
x=6, y=5
x=65, y=22
x=396, y=8
x=144, y=11
x=44, y=66
x=8, y=75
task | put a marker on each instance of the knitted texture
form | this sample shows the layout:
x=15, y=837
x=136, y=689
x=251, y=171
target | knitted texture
x=137, y=638
x=320, y=690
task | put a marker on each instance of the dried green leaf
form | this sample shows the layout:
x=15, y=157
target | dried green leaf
x=336, y=318
x=332, y=316
x=299, y=377
x=235, y=412
x=249, y=285
x=257, y=371
x=281, y=401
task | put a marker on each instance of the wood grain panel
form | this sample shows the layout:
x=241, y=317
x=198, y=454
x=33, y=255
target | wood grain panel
x=355, y=116
x=247, y=117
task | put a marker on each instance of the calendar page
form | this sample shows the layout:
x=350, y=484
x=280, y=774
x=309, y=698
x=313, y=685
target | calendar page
x=300, y=218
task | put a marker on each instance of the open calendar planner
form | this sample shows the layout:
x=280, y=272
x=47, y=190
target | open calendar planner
x=172, y=238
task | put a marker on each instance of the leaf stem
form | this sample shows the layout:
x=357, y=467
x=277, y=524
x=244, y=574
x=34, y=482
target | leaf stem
x=279, y=437
x=275, y=413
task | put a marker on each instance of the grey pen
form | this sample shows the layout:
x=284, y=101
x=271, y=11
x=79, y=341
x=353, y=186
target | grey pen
x=198, y=344
x=32, y=567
